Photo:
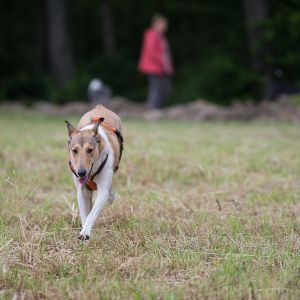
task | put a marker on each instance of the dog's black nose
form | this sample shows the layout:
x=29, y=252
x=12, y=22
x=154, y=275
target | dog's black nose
x=81, y=172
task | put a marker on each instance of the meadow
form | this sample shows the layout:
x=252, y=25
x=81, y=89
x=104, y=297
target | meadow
x=202, y=211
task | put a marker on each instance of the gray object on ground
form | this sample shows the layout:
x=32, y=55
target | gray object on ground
x=98, y=92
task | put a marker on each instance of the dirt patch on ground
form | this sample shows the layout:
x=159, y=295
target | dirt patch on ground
x=283, y=109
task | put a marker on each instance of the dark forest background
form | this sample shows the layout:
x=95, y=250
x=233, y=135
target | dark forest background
x=223, y=50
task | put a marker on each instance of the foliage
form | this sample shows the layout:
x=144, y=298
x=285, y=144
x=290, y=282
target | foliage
x=219, y=78
x=282, y=37
x=208, y=41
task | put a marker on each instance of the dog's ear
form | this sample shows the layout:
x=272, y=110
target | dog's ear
x=71, y=128
x=95, y=131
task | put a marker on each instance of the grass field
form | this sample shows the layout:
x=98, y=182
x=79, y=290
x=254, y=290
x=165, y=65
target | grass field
x=203, y=211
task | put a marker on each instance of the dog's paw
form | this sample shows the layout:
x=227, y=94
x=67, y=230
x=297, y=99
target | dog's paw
x=83, y=237
x=85, y=233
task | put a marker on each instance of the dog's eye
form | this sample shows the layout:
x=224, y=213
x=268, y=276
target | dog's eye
x=74, y=151
x=90, y=150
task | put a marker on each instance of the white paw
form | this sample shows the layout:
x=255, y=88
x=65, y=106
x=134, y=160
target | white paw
x=85, y=234
x=83, y=238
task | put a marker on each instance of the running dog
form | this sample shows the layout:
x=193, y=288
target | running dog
x=95, y=150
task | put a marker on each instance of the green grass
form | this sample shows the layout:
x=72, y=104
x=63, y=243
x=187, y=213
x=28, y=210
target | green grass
x=203, y=210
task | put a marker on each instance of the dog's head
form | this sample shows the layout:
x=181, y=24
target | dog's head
x=84, y=150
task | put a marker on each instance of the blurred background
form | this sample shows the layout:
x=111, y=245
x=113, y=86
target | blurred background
x=222, y=50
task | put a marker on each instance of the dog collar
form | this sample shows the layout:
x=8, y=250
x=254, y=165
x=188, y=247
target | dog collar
x=91, y=185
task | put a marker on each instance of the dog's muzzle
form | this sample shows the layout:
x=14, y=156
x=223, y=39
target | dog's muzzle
x=81, y=174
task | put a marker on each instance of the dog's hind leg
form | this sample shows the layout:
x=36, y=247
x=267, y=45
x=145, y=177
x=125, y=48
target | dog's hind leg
x=88, y=203
x=111, y=196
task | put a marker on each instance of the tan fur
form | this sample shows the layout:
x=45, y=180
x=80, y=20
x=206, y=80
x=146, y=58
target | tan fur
x=112, y=119
x=82, y=143
x=87, y=149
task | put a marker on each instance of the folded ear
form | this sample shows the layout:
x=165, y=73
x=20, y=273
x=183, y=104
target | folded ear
x=71, y=128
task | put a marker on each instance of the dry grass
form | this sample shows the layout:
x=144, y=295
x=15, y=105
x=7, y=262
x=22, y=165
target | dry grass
x=203, y=211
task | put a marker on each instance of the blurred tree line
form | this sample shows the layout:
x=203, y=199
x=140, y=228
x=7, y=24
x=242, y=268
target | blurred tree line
x=223, y=50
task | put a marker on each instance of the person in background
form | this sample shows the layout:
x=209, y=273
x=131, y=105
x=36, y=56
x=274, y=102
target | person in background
x=155, y=61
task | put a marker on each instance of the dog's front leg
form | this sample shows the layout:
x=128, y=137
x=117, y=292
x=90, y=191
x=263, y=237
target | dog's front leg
x=91, y=218
x=102, y=197
x=84, y=199
x=82, y=205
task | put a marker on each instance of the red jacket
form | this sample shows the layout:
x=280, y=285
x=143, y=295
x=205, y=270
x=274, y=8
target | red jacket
x=155, y=55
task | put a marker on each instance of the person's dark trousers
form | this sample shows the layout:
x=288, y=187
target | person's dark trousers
x=159, y=90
